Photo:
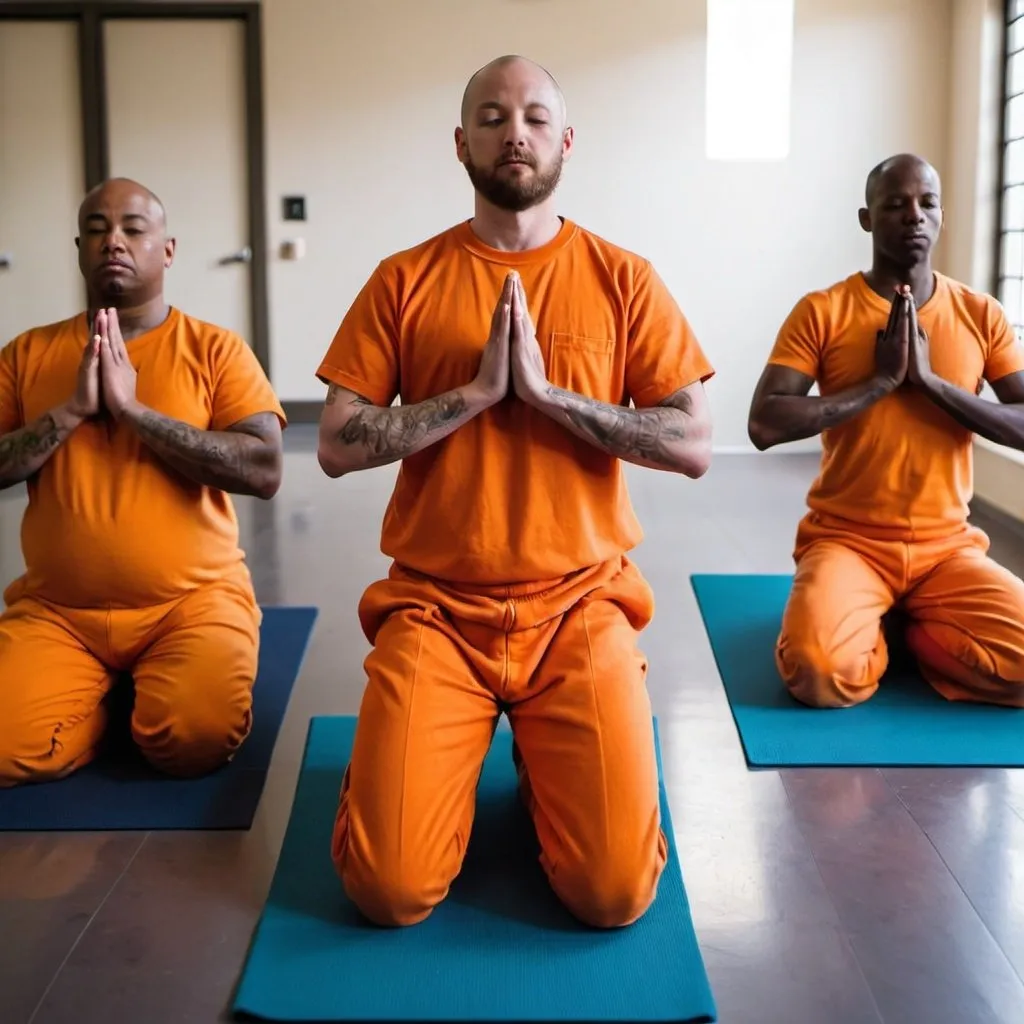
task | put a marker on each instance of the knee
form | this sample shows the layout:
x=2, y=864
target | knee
x=613, y=891
x=193, y=738
x=387, y=898
x=38, y=756
x=823, y=678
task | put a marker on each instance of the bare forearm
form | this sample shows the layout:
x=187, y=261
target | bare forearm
x=1001, y=424
x=374, y=436
x=780, y=419
x=23, y=452
x=659, y=438
x=230, y=461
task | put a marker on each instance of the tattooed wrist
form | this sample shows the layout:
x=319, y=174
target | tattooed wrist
x=23, y=452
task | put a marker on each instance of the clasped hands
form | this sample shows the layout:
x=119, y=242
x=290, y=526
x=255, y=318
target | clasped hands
x=106, y=377
x=512, y=360
x=901, y=350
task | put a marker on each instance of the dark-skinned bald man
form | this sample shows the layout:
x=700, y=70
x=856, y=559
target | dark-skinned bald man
x=131, y=424
x=517, y=341
x=900, y=354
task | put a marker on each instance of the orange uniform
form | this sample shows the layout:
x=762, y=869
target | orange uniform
x=887, y=522
x=510, y=587
x=130, y=567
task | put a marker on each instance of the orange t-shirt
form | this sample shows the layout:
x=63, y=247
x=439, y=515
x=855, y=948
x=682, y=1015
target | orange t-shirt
x=512, y=496
x=903, y=468
x=109, y=523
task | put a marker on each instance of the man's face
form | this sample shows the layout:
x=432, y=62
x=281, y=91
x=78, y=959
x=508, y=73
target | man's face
x=514, y=140
x=123, y=249
x=905, y=215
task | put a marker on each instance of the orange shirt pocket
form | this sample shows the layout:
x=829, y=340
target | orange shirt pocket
x=584, y=365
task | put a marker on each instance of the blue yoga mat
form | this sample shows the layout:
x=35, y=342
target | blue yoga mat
x=120, y=791
x=500, y=947
x=905, y=723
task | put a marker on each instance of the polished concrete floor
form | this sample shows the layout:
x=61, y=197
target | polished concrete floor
x=854, y=896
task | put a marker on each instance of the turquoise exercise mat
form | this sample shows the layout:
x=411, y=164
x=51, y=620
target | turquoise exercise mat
x=119, y=790
x=500, y=947
x=905, y=723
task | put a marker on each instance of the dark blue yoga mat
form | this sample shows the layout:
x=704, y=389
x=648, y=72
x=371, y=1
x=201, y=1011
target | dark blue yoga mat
x=905, y=723
x=500, y=947
x=120, y=791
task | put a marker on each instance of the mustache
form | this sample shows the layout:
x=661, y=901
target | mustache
x=517, y=158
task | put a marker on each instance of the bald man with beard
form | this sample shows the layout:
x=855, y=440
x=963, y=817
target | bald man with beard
x=532, y=359
x=132, y=423
x=900, y=354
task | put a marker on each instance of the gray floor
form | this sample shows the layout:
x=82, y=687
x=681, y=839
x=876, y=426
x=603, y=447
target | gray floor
x=855, y=895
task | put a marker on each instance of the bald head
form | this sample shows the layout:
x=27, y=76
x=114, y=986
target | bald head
x=484, y=86
x=897, y=169
x=123, y=248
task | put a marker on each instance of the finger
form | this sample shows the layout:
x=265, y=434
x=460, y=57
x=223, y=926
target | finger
x=894, y=311
x=904, y=328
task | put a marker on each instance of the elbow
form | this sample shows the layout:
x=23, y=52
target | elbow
x=696, y=460
x=329, y=463
x=269, y=482
x=760, y=436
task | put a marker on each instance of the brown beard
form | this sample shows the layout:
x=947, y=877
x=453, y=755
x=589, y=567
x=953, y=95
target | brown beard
x=510, y=193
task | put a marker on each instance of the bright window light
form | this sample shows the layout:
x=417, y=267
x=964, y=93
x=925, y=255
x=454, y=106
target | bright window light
x=749, y=78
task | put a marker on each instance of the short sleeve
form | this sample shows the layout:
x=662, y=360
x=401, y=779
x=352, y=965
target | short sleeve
x=240, y=386
x=798, y=344
x=1005, y=353
x=363, y=356
x=663, y=354
x=10, y=403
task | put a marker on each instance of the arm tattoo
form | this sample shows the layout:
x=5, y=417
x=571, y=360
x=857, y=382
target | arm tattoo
x=242, y=460
x=23, y=452
x=392, y=433
x=651, y=435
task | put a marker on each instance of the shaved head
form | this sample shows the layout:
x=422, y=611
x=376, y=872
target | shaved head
x=121, y=189
x=486, y=78
x=123, y=247
x=897, y=166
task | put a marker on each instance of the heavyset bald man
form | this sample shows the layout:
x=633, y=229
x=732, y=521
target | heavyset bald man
x=532, y=359
x=132, y=423
x=900, y=354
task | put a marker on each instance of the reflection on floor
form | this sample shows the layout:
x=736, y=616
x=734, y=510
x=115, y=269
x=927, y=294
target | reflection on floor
x=850, y=895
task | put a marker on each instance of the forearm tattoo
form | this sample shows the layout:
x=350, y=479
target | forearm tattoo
x=651, y=434
x=392, y=433
x=23, y=452
x=225, y=459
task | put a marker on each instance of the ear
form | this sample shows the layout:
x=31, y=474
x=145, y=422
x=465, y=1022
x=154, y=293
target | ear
x=78, y=242
x=170, y=245
x=461, y=148
x=568, y=138
x=864, y=216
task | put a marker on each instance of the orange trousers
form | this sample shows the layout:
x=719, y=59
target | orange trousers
x=964, y=612
x=561, y=658
x=193, y=663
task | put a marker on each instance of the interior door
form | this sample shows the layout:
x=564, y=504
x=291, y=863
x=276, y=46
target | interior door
x=42, y=176
x=176, y=123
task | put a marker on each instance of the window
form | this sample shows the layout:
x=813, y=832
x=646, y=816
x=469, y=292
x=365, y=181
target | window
x=749, y=77
x=1011, y=227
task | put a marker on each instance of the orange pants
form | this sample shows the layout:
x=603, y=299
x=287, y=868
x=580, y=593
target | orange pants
x=562, y=659
x=965, y=617
x=192, y=662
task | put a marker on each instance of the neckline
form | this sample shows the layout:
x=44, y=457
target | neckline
x=468, y=239
x=884, y=305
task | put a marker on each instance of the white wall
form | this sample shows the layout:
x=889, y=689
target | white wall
x=362, y=99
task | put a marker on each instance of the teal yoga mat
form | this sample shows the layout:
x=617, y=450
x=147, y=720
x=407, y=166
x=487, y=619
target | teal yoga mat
x=500, y=947
x=905, y=723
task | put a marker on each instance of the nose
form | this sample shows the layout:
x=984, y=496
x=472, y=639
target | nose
x=914, y=214
x=113, y=241
x=515, y=132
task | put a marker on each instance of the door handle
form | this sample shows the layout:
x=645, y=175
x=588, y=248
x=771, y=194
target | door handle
x=244, y=255
x=6, y=260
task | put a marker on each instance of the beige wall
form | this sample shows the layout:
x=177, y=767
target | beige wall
x=362, y=98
